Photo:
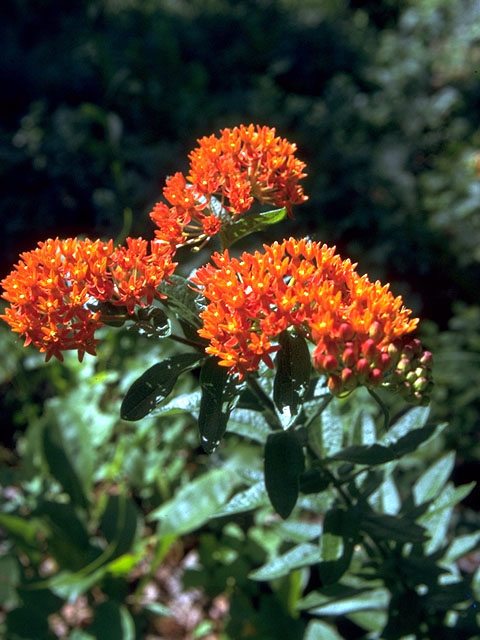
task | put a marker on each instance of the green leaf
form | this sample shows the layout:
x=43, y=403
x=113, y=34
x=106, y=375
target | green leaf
x=195, y=503
x=371, y=454
x=251, y=498
x=412, y=419
x=376, y=599
x=153, y=386
x=429, y=485
x=220, y=392
x=292, y=378
x=60, y=463
x=382, y=526
x=9, y=579
x=112, y=622
x=119, y=524
x=317, y=630
x=300, y=556
x=461, y=546
x=340, y=529
x=68, y=540
x=325, y=434
x=314, y=481
x=412, y=440
x=284, y=462
x=249, y=223
x=24, y=623
x=249, y=424
x=20, y=530
x=184, y=300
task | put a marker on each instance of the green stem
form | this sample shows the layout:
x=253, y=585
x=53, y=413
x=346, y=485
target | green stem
x=383, y=407
x=265, y=401
x=190, y=343
x=327, y=398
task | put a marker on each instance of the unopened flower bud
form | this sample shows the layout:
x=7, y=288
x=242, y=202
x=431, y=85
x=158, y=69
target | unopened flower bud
x=376, y=376
x=363, y=367
x=407, y=352
x=369, y=349
x=411, y=376
x=349, y=357
x=348, y=378
x=385, y=361
x=420, y=384
x=335, y=385
x=376, y=331
x=329, y=363
x=427, y=358
x=404, y=365
x=345, y=331
x=416, y=346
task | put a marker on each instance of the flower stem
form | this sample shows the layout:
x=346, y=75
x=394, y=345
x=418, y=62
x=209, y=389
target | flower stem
x=266, y=403
x=383, y=407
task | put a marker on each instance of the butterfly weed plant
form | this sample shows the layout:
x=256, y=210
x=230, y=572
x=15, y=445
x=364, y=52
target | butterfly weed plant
x=289, y=348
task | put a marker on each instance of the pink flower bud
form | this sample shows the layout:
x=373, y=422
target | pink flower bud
x=345, y=331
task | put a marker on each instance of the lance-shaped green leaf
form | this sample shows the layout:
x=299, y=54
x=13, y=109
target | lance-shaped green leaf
x=284, y=462
x=195, y=503
x=382, y=526
x=220, y=392
x=337, y=542
x=302, y=555
x=59, y=455
x=249, y=223
x=369, y=454
x=292, y=378
x=155, y=384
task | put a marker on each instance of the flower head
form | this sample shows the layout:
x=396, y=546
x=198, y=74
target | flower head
x=356, y=326
x=227, y=174
x=52, y=289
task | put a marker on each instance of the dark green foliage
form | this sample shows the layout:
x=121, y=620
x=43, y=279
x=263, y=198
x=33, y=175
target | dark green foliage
x=284, y=462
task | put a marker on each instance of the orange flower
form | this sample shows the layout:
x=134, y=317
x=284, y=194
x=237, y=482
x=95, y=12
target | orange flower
x=136, y=274
x=227, y=174
x=49, y=290
x=52, y=289
x=359, y=328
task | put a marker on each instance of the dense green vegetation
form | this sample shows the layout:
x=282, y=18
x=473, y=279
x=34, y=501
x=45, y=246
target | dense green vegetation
x=100, y=101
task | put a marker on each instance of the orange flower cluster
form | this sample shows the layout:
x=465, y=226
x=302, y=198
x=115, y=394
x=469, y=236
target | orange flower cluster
x=52, y=288
x=358, y=327
x=227, y=174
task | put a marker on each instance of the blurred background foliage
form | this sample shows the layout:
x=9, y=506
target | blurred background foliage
x=101, y=99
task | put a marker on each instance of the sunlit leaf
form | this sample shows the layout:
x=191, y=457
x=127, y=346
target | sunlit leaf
x=195, y=503
x=325, y=434
x=250, y=498
x=249, y=223
x=433, y=479
x=249, y=424
x=302, y=555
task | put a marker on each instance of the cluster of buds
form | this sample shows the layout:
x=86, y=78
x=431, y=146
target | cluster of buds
x=412, y=375
x=351, y=358
x=403, y=366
